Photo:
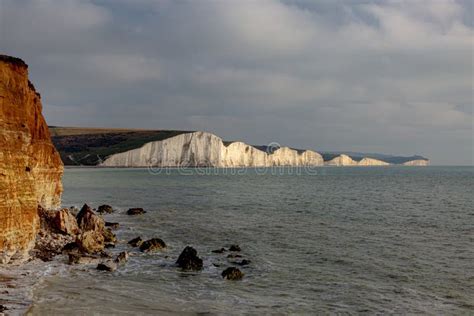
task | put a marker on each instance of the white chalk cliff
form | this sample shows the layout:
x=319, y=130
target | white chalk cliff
x=417, y=162
x=201, y=149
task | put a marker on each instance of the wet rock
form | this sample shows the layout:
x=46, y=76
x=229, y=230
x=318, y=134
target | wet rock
x=109, y=236
x=188, y=259
x=3, y=308
x=77, y=258
x=109, y=245
x=136, y=242
x=153, y=244
x=136, y=211
x=122, y=257
x=233, y=255
x=107, y=209
x=49, y=244
x=112, y=225
x=65, y=222
x=222, y=250
x=244, y=262
x=90, y=241
x=234, y=248
x=88, y=220
x=70, y=246
x=108, y=265
x=232, y=274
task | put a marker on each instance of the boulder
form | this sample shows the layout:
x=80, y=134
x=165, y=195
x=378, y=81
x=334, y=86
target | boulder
x=107, y=209
x=244, y=262
x=112, y=225
x=108, y=265
x=109, y=236
x=66, y=223
x=77, y=258
x=136, y=242
x=234, y=248
x=188, y=259
x=222, y=250
x=122, y=257
x=88, y=220
x=90, y=241
x=232, y=274
x=136, y=211
x=153, y=244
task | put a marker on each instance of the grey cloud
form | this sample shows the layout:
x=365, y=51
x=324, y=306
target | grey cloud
x=387, y=76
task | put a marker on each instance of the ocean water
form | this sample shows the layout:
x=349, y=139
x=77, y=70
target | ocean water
x=333, y=240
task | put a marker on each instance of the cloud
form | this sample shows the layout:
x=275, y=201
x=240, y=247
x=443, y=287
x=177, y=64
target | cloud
x=389, y=76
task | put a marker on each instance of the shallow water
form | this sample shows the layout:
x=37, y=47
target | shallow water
x=358, y=240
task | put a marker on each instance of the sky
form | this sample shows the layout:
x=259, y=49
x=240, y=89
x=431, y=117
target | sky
x=392, y=77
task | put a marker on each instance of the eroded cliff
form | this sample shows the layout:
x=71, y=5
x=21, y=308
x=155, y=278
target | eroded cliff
x=207, y=150
x=30, y=167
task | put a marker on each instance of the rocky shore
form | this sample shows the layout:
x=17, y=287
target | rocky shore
x=72, y=238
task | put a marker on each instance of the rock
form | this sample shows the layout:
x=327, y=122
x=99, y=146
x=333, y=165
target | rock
x=109, y=245
x=136, y=211
x=105, y=209
x=90, y=241
x=108, y=265
x=233, y=255
x=222, y=250
x=136, y=242
x=3, y=308
x=70, y=246
x=112, y=225
x=109, y=236
x=74, y=210
x=244, y=262
x=77, y=258
x=234, y=248
x=153, y=244
x=122, y=257
x=188, y=259
x=66, y=223
x=88, y=220
x=232, y=274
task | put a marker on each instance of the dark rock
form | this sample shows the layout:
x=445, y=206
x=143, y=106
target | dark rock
x=88, y=220
x=136, y=211
x=112, y=225
x=109, y=245
x=234, y=248
x=109, y=236
x=244, y=262
x=222, y=250
x=153, y=244
x=188, y=259
x=232, y=274
x=105, y=209
x=136, y=242
x=70, y=246
x=3, y=308
x=122, y=257
x=233, y=255
x=108, y=265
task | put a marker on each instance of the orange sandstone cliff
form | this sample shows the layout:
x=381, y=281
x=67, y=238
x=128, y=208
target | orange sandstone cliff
x=30, y=166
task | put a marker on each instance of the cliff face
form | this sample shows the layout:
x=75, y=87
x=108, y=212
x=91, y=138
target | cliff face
x=372, y=162
x=207, y=150
x=30, y=167
x=418, y=162
x=341, y=160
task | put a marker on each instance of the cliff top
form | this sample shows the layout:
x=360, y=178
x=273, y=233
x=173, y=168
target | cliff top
x=13, y=60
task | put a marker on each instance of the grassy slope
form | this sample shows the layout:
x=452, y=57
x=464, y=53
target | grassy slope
x=89, y=146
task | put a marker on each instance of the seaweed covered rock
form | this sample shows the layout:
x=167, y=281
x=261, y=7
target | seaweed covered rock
x=105, y=209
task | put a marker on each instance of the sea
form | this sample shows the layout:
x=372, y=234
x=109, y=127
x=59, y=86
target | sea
x=329, y=240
